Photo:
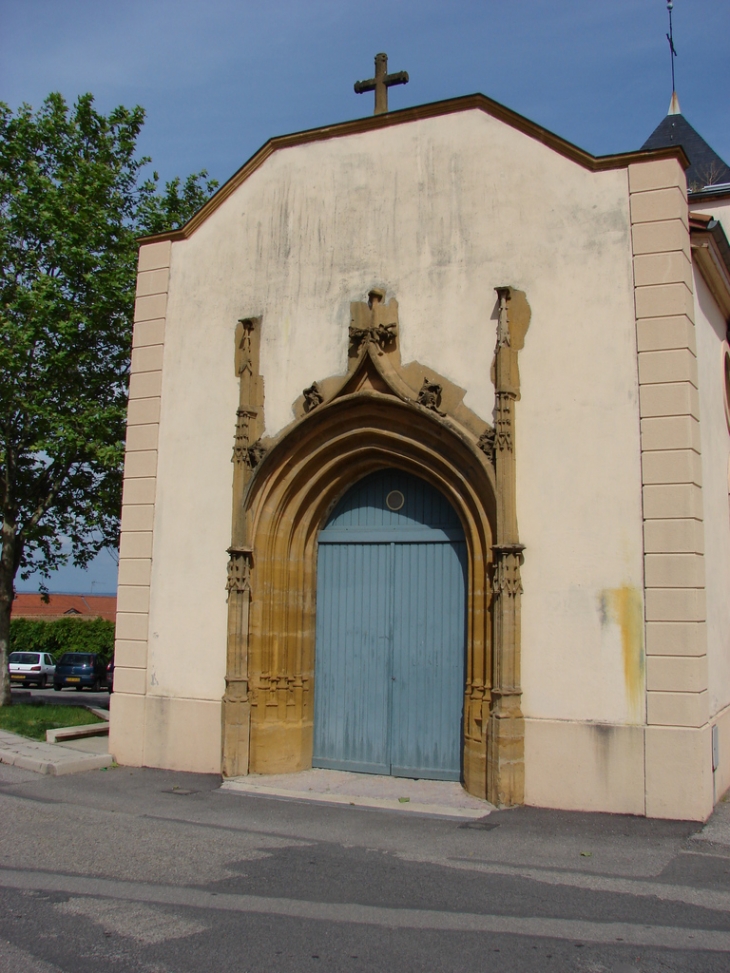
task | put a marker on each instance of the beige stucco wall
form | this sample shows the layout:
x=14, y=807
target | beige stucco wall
x=438, y=212
x=711, y=331
x=718, y=208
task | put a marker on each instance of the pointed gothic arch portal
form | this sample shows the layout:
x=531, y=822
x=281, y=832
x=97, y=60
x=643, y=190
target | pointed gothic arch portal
x=290, y=499
x=379, y=415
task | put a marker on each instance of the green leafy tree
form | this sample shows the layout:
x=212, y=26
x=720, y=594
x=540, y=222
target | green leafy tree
x=72, y=205
x=63, y=635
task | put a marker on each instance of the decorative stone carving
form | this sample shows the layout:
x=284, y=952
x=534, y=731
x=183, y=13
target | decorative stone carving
x=247, y=452
x=504, y=420
x=374, y=322
x=312, y=397
x=239, y=571
x=506, y=579
x=381, y=334
x=430, y=396
x=486, y=443
x=505, y=757
x=255, y=454
x=242, y=437
x=244, y=347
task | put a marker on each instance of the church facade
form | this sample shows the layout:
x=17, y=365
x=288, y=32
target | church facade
x=427, y=470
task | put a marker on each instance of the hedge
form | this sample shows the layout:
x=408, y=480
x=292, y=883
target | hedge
x=63, y=635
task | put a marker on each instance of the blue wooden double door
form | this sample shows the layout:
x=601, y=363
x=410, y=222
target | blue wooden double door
x=391, y=631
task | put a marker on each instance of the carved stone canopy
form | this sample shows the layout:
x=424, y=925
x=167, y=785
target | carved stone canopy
x=239, y=570
x=374, y=366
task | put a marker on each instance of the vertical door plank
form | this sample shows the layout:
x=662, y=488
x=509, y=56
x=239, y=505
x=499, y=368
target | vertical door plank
x=428, y=660
x=354, y=635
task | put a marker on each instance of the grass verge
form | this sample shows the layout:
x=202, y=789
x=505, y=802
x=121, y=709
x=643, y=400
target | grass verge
x=33, y=719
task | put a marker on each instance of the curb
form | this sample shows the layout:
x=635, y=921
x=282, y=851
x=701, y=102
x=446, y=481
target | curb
x=56, y=768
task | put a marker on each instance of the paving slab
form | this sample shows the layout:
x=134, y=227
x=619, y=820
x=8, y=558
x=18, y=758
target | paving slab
x=48, y=758
x=444, y=798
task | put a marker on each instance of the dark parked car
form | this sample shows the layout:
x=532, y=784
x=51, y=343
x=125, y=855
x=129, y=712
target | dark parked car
x=79, y=669
x=110, y=676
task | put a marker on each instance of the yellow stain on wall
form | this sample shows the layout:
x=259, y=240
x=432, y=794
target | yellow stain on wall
x=623, y=606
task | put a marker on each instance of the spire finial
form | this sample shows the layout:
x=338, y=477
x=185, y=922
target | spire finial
x=672, y=54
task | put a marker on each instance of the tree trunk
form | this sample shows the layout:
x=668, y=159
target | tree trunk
x=9, y=561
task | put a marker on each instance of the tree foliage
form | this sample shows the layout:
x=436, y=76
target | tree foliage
x=72, y=205
x=63, y=635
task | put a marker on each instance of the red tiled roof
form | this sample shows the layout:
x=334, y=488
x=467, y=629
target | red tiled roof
x=26, y=605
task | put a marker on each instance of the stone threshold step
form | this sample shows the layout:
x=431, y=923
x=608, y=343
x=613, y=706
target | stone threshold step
x=243, y=785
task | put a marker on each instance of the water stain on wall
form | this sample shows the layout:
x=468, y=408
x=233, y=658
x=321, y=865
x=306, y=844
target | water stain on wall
x=624, y=607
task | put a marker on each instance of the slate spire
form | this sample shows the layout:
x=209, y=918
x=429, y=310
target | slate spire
x=706, y=167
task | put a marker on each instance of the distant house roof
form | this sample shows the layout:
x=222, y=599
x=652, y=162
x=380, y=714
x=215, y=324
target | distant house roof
x=33, y=606
x=706, y=168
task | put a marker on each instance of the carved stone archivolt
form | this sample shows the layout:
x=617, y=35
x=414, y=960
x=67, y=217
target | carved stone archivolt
x=305, y=474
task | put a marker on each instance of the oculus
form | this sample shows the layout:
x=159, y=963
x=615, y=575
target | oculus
x=395, y=500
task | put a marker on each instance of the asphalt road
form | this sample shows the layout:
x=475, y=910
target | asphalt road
x=159, y=872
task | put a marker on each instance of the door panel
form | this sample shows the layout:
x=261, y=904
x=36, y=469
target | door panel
x=354, y=633
x=428, y=660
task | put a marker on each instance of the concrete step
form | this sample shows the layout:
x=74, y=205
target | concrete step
x=48, y=758
x=76, y=732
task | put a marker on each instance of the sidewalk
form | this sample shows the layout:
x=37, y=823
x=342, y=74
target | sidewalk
x=48, y=758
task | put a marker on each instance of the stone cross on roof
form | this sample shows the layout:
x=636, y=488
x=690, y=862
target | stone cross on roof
x=380, y=83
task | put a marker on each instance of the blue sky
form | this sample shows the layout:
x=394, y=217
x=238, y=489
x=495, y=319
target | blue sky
x=220, y=77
